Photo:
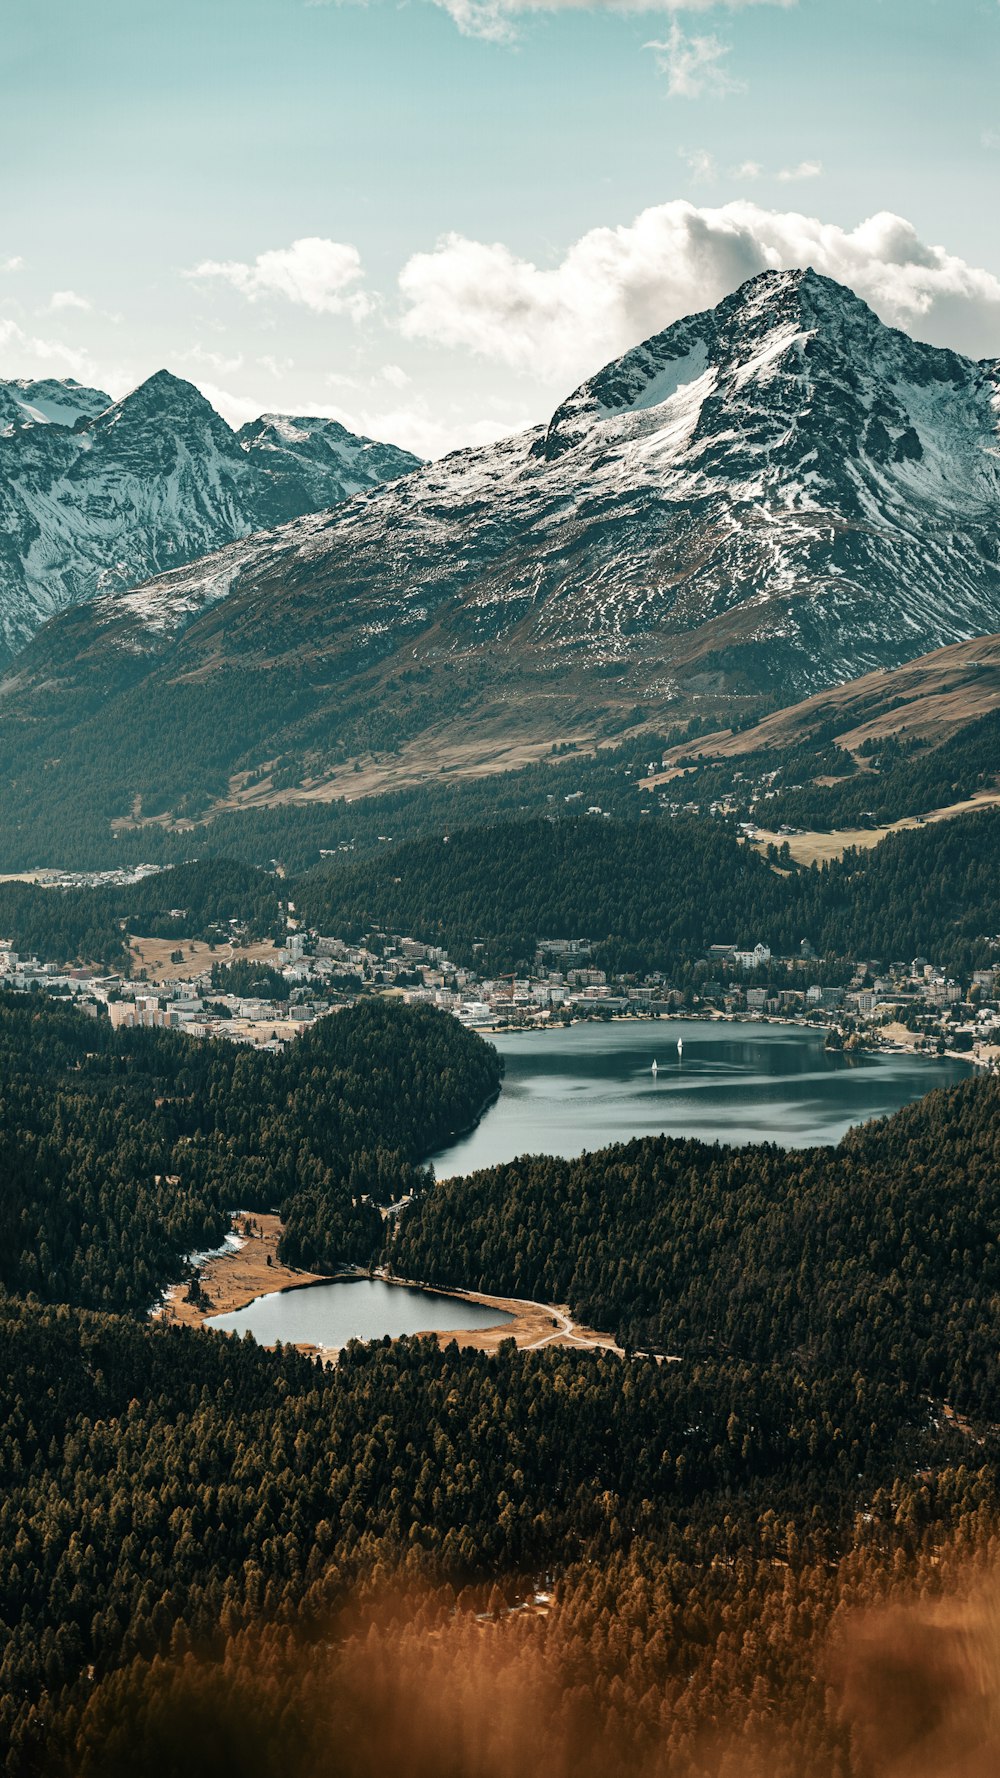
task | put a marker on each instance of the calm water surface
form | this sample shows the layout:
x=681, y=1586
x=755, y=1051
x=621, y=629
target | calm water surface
x=353, y=1309
x=586, y=1086
x=591, y=1084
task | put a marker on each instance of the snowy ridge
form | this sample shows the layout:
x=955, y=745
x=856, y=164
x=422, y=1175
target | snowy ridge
x=778, y=494
x=98, y=495
x=48, y=401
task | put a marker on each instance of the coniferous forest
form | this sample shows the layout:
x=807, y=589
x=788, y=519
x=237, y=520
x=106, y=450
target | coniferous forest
x=648, y=894
x=655, y=894
x=690, y=1561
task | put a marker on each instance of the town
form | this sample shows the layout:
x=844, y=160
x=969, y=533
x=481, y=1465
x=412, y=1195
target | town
x=267, y=993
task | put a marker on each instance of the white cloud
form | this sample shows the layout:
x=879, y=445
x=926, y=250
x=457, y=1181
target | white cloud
x=430, y=430
x=24, y=354
x=394, y=375
x=497, y=20
x=804, y=170
x=693, y=65
x=316, y=273
x=276, y=367
x=700, y=163
x=748, y=170
x=214, y=360
x=235, y=409
x=14, y=264
x=615, y=286
x=68, y=299
x=988, y=139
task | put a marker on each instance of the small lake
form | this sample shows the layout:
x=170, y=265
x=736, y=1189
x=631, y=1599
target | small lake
x=353, y=1309
x=587, y=1085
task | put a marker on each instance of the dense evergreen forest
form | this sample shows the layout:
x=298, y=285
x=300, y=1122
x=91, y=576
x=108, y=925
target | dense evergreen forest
x=120, y=1151
x=880, y=1255
x=219, y=1558
x=256, y=981
x=650, y=894
x=656, y=894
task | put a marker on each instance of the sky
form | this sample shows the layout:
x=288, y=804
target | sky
x=431, y=220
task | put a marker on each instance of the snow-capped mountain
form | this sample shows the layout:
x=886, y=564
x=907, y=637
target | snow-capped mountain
x=771, y=497
x=58, y=401
x=302, y=461
x=97, y=495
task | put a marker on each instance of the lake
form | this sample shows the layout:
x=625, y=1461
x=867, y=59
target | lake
x=352, y=1309
x=586, y=1085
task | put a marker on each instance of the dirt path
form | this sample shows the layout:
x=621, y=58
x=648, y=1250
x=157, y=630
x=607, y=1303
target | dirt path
x=532, y=1325
x=231, y=1280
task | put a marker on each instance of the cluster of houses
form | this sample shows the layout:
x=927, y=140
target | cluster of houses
x=320, y=973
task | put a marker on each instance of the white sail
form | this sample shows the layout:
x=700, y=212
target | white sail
x=654, y=1069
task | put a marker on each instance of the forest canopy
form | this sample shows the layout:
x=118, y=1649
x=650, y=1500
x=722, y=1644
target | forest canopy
x=657, y=893
x=121, y=1151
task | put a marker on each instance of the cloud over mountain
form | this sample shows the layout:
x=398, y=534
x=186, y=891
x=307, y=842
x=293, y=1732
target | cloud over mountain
x=614, y=286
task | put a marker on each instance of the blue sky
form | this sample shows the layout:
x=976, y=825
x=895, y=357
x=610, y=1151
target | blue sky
x=495, y=196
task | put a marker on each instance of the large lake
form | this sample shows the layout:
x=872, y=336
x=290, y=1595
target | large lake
x=586, y=1085
x=352, y=1309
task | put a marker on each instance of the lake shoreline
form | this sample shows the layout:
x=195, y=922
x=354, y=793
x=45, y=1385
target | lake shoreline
x=902, y=1041
x=229, y=1281
x=586, y=1085
x=233, y=1280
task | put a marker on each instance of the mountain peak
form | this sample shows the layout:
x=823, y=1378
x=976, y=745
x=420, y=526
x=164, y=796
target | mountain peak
x=167, y=396
x=107, y=494
x=48, y=401
x=778, y=334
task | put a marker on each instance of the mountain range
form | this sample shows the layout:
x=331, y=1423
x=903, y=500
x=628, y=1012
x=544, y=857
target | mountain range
x=97, y=495
x=764, y=500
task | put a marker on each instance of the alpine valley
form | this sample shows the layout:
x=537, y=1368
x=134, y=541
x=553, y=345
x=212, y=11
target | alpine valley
x=767, y=499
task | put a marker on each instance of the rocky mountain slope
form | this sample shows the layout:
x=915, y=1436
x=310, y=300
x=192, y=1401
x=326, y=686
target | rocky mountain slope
x=97, y=495
x=766, y=499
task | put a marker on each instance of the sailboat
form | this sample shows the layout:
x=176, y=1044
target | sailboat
x=680, y=1049
x=654, y=1070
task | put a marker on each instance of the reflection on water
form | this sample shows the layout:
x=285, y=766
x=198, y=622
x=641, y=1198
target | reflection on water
x=587, y=1085
x=352, y=1309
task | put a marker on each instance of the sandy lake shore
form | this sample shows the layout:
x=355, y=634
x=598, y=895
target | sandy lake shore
x=232, y=1280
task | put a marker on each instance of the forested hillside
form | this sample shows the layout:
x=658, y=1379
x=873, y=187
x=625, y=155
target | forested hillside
x=659, y=893
x=649, y=893
x=900, y=778
x=216, y=1559
x=58, y=830
x=120, y=1151
x=879, y=1255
